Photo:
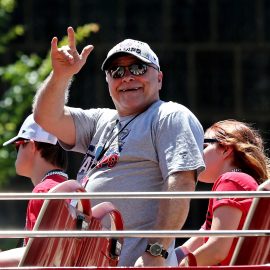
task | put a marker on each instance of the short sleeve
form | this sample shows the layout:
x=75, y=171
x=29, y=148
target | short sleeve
x=229, y=185
x=179, y=143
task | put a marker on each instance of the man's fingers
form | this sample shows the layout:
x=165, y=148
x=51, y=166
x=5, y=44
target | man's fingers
x=71, y=38
x=69, y=52
x=86, y=51
x=54, y=43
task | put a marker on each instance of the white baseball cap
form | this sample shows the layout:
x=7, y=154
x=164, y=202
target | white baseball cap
x=32, y=131
x=137, y=48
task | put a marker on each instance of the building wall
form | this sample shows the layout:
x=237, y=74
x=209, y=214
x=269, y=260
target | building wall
x=214, y=53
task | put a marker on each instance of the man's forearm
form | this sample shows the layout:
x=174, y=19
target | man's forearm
x=174, y=217
x=173, y=212
x=50, y=99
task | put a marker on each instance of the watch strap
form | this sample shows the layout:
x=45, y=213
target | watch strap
x=164, y=253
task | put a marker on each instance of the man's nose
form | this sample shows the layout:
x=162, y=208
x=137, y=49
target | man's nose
x=128, y=75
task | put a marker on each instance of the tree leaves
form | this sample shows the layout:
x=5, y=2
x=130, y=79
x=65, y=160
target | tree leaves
x=21, y=79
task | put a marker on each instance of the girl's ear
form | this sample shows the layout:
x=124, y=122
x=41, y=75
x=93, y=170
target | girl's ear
x=227, y=151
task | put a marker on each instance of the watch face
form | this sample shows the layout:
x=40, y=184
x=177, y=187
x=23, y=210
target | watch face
x=155, y=249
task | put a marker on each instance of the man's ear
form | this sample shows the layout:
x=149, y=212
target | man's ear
x=160, y=76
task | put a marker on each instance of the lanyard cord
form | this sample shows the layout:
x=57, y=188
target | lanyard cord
x=106, y=147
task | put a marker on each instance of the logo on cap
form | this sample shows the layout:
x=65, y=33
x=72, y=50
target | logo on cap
x=137, y=48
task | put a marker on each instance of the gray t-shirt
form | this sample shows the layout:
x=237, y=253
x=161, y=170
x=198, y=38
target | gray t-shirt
x=142, y=152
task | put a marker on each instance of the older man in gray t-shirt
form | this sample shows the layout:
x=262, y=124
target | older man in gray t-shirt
x=157, y=143
x=145, y=144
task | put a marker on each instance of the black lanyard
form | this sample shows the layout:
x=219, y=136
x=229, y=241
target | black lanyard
x=109, y=141
x=105, y=147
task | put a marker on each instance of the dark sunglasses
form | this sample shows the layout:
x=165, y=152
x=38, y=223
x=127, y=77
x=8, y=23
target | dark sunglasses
x=210, y=140
x=206, y=142
x=139, y=69
x=19, y=143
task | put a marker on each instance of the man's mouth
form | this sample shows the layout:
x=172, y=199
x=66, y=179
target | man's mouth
x=129, y=89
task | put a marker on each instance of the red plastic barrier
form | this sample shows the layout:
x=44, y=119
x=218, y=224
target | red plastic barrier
x=60, y=215
x=255, y=250
x=250, y=267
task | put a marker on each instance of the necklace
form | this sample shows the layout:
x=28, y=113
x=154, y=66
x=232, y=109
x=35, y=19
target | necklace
x=54, y=172
x=236, y=170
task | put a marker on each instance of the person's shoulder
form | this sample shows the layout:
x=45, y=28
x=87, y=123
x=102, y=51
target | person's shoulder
x=165, y=108
x=106, y=113
x=74, y=110
x=235, y=176
x=48, y=183
x=178, y=113
x=42, y=187
x=100, y=111
x=242, y=179
x=172, y=106
x=97, y=114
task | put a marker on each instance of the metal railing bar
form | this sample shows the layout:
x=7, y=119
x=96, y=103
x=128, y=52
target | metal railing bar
x=134, y=195
x=132, y=234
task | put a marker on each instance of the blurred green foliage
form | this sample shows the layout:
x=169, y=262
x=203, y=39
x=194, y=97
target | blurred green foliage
x=21, y=79
x=8, y=31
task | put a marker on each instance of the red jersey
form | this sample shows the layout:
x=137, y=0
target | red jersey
x=231, y=181
x=34, y=206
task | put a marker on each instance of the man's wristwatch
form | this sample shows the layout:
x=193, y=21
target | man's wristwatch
x=156, y=249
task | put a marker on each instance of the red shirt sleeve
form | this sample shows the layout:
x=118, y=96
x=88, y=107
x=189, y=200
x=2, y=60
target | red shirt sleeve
x=229, y=185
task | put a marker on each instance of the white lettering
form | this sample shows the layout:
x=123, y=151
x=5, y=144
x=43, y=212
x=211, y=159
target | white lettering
x=86, y=165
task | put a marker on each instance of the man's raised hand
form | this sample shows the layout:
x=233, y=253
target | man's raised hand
x=66, y=61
